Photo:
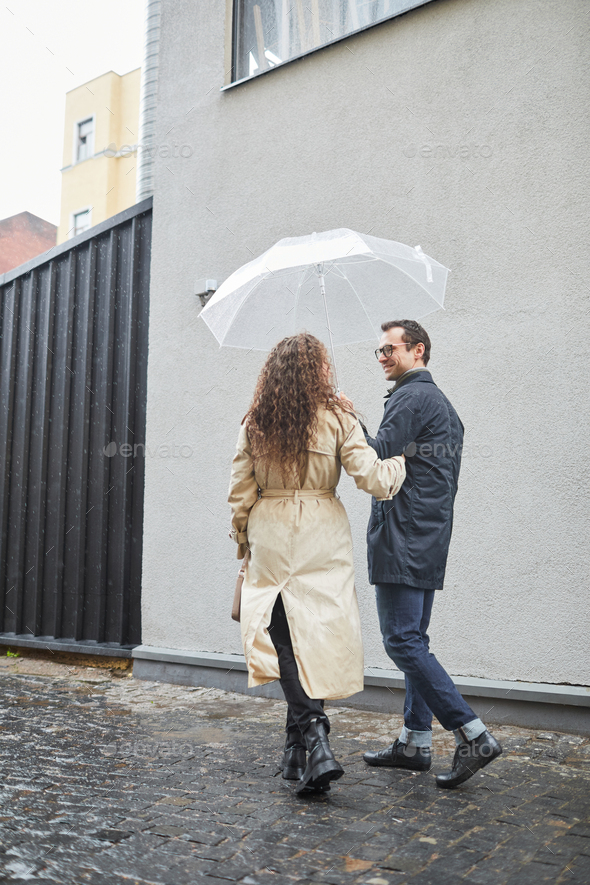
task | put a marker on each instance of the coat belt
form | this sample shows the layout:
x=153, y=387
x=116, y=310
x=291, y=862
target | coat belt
x=296, y=494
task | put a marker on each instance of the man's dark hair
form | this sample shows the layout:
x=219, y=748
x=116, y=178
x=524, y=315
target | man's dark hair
x=413, y=334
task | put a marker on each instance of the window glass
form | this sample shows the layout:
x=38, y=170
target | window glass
x=84, y=140
x=268, y=32
x=81, y=222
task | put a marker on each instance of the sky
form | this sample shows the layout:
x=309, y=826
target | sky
x=48, y=47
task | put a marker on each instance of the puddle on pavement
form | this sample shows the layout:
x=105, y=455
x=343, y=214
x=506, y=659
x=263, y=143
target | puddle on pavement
x=228, y=711
x=199, y=735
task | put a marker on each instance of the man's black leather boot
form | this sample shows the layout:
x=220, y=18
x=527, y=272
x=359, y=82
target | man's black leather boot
x=469, y=758
x=293, y=764
x=321, y=765
x=400, y=755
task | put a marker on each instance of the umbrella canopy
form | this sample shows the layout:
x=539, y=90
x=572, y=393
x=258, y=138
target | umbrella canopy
x=339, y=285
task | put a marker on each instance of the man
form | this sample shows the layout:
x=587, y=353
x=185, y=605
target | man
x=408, y=542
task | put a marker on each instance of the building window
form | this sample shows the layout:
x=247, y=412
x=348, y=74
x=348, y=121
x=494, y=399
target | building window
x=84, y=139
x=81, y=221
x=269, y=32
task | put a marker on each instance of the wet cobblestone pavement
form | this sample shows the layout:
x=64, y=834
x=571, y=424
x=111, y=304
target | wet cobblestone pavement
x=108, y=780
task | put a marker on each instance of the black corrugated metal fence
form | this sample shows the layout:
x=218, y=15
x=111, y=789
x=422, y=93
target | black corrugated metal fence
x=73, y=365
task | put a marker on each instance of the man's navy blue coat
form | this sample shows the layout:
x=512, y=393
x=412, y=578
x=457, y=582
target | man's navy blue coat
x=408, y=537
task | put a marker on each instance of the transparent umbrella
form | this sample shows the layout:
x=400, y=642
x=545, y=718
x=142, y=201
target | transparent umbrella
x=339, y=285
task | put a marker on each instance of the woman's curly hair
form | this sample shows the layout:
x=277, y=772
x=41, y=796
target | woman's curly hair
x=283, y=418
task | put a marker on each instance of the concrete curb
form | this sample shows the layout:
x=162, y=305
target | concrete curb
x=528, y=704
x=88, y=647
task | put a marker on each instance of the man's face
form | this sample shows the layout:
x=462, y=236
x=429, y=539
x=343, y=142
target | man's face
x=401, y=359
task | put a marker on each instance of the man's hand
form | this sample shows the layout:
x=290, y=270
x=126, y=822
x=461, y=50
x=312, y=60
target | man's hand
x=347, y=402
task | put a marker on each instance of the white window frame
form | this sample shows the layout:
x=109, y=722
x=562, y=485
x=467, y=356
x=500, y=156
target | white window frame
x=79, y=211
x=77, y=123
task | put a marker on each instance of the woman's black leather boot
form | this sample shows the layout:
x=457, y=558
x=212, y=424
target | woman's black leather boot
x=321, y=765
x=293, y=764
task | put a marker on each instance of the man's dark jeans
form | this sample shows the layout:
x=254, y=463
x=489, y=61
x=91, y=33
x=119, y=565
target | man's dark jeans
x=301, y=708
x=404, y=616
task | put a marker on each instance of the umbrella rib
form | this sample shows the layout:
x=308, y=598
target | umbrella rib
x=409, y=275
x=301, y=281
x=334, y=266
x=379, y=257
x=361, y=304
x=240, y=306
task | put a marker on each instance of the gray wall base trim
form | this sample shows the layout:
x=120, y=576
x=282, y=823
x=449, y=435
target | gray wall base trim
x=506, y=703
x=82, y=647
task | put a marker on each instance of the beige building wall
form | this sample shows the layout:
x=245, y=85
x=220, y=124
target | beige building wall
x=105, y=182
x=461, y=126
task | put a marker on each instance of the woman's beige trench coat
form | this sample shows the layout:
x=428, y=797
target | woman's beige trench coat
x=300, y=546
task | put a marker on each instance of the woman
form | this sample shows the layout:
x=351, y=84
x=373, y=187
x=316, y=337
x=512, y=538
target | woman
x=299, y=611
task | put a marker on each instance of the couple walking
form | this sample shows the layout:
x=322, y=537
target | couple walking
x=299, y=616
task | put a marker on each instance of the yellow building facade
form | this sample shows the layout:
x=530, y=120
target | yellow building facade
x=100, y=151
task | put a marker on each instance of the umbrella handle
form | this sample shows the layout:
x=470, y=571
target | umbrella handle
x=323, y=293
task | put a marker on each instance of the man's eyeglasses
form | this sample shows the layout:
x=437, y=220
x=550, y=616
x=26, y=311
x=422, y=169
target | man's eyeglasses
x=387, y=349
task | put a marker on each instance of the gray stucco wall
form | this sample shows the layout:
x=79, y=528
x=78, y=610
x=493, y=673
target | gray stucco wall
x=461, y=126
